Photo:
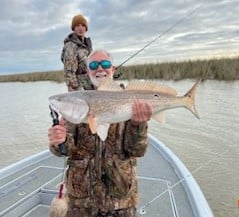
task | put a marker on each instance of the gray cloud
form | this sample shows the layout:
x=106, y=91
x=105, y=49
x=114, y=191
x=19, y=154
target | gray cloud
x=32, y=31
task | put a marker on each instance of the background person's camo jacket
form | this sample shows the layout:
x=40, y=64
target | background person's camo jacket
x=74, y=57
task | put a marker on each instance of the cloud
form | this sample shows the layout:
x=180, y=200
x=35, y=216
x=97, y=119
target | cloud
x=32, y=31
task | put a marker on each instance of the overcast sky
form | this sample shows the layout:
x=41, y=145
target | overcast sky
x=32, y=31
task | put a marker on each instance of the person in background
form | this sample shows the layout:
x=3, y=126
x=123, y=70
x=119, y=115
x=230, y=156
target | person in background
x=101, y=176
x=74, y=55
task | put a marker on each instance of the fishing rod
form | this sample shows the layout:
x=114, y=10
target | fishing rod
x=119, y=74
x=58, y=207
x=55, y=121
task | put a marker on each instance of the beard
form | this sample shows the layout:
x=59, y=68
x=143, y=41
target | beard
x=99, y=77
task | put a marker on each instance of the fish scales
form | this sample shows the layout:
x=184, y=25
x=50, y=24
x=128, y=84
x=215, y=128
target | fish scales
x=107, y=106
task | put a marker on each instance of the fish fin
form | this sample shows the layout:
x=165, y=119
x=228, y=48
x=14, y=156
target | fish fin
x=159, y=117
x=74, y=112
x=151, y=86
x=102, y=131
x=109, y=85
x=92, y=124
x=189, y=99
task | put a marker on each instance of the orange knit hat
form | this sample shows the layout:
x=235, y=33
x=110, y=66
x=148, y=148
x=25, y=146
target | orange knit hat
x=79, y=19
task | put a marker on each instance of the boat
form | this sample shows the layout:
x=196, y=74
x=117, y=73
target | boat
x=166, y=186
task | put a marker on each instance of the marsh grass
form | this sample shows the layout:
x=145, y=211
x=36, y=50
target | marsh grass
x=56, y=76
x=218, y=69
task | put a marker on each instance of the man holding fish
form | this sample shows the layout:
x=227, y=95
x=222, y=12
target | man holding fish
x=101, y=176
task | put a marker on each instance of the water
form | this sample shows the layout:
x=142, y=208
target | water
x=208, y=147
x=24, y=115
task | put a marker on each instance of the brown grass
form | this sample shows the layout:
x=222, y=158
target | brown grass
x=218, y=69
x=56, y=76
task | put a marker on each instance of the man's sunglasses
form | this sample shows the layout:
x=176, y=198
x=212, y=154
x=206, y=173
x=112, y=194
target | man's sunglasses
x=105, y=64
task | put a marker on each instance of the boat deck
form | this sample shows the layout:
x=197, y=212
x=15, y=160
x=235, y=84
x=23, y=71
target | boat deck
x=28, y=192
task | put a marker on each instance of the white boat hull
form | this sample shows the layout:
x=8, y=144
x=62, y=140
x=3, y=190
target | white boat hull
x=166, y=186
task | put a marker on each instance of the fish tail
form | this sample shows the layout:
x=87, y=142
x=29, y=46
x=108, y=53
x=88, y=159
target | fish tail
x=190, y=99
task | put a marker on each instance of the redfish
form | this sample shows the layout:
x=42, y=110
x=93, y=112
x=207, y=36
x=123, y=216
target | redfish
x=112, y=104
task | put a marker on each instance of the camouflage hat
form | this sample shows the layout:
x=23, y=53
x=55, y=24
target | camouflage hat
x=79, y=19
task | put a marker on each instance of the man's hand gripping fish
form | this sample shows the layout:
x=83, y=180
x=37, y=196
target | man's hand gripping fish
x=111, y=103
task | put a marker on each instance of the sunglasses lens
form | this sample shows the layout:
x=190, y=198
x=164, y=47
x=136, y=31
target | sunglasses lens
x=106, y=64
x=94, y=65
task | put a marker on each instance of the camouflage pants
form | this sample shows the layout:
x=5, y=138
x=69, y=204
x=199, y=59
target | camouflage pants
x=84, y=212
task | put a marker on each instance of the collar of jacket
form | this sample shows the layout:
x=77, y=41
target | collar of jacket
x=75, y=39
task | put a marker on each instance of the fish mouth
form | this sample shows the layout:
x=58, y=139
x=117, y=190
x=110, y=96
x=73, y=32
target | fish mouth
x=53, y=103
